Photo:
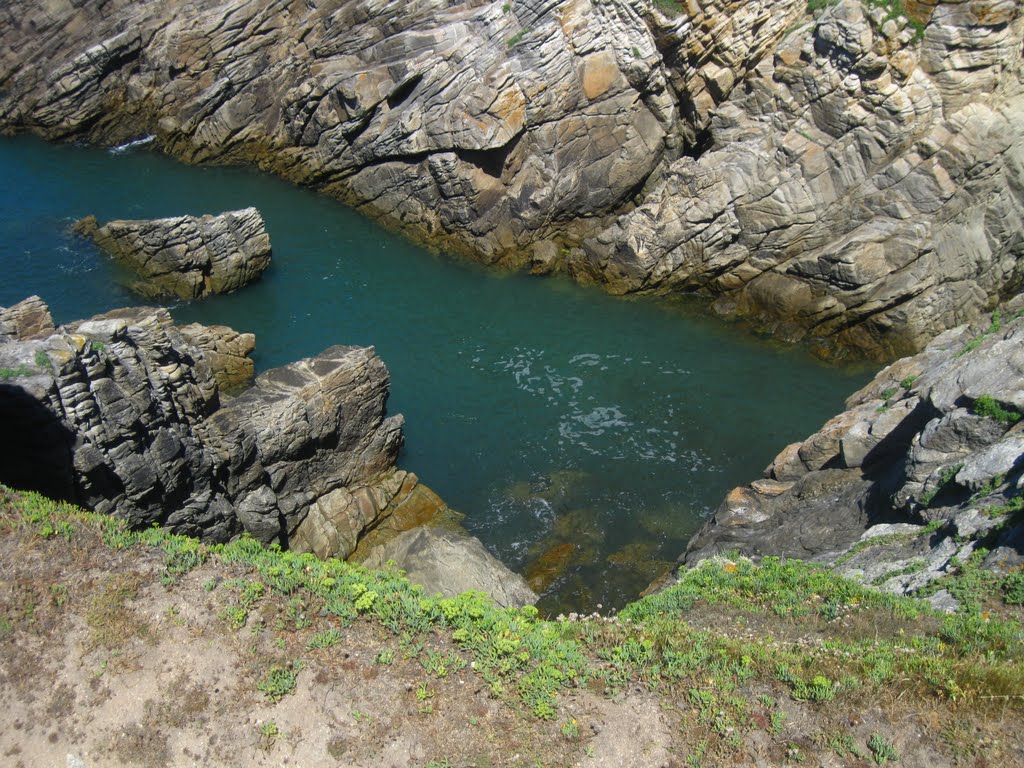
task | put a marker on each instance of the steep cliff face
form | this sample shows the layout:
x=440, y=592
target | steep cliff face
x=493, y=127
x=921, y=471
x=855, y=176
x=863, y=185
x=122, y=413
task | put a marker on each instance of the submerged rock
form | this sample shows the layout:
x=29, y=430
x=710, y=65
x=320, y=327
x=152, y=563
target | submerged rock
x=552, y=561
x=186, y=256
x=449, y=563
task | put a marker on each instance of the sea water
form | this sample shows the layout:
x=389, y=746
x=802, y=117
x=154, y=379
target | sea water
x=585, y=437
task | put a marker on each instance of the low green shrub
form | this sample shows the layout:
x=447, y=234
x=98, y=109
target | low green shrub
x=986, y=405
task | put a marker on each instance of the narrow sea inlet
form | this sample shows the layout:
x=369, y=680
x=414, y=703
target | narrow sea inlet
x=585, y=437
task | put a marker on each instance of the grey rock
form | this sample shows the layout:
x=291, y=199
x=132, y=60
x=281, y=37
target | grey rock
x=449, y=563
x=226, y=351
x=857, y=491
x=122, y=414
x=831, y=514
x=186, y=256
x=832, y=178
x=943, y=601
x=26, y=320
x=487, y=127
x=838, y=199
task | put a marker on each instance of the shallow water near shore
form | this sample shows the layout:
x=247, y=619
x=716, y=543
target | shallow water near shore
x=585, y=437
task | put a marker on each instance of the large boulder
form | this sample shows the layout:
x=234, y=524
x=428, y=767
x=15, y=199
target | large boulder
x=186, y=256
x=450, y=563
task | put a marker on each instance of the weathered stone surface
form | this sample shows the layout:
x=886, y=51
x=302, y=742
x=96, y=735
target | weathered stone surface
x=186, y=256
x=837, y=177
x=301, y=432
x=121, y=413
x=909, y=450
x=28, y=319
x=340, y=522
x=488, y=127
x=861, y=187
x=226, y=351
x=449, y=563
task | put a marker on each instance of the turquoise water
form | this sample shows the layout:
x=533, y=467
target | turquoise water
x=591, y=433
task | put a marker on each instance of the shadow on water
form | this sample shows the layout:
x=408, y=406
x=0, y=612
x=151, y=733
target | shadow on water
x=510, y=384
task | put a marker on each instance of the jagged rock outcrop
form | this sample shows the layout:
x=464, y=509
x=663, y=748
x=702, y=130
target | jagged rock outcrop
x=187, y=256
x=864, y=185
x=858, y=181
x=28, y=319
x=450, y=563
x=226, y=351
x=349, y=522
x=494, y=128
x=925, y=467
x=122, y=414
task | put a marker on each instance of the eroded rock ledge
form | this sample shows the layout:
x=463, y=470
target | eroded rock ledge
x=924, y=468
x=187, y=256
x=123, y=414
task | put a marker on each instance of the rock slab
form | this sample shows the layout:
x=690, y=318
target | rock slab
x=450, y=563
x=923, y=468
x=186, y=256
x=122, y=414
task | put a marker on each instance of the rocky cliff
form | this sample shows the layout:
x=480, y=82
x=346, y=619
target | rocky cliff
x=855, y=176
x=122, y=413
x=922, y=471
x=864, y=184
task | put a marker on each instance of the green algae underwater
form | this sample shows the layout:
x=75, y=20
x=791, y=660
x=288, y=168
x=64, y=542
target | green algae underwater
x=585, y=437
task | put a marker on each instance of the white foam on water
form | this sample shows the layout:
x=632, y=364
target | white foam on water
x=130, y=145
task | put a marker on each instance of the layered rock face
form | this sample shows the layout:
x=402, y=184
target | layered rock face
x=863, y=185
x=226, y=351
x=122, y=414
x=493, y=128
x=187, y=256
x=926, y=465
x=856, y=181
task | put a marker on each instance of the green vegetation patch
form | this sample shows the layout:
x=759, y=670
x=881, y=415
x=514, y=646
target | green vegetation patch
x=986, y=405
x=994, y=327
x=677, y=641
x=15, y=373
